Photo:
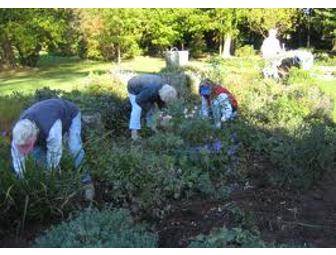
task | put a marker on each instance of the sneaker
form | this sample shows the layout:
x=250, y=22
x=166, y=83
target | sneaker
x=134, y=135
x=89, y=192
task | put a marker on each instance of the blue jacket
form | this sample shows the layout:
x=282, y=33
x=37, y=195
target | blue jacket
x=146, y=89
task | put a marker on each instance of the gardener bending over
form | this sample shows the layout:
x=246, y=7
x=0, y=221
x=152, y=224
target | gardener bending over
x=40, y=130
x=222, y=103
x=145, y=92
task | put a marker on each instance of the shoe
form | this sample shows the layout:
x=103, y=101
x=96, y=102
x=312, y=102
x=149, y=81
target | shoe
x=89, y=192
x=134, y=135
x=88, y=187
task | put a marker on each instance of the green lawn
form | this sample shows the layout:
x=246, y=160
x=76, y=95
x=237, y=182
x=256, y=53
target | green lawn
x=68, y=73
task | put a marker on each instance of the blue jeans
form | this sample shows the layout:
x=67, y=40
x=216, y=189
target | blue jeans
x=74, y=145
x=135, y=119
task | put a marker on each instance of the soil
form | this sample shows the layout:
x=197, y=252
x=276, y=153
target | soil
x=282, y=216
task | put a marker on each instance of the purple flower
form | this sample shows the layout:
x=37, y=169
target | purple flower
x=3, y=133
x=233, y=150
x=217, y=146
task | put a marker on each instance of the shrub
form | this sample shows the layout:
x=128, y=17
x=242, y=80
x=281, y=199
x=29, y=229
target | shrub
x=10, y=109
x=228, y=238
x=109, y=101
x=46, y=193
x=168, y=165
x=246, y=51
x=109, y=228
x=300, y=76
x=323, y=58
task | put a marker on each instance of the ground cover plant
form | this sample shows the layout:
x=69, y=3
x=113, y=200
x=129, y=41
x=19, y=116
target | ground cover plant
x=189, y=179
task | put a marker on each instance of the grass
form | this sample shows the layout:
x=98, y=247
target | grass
x=68, y=73
x=329, y=87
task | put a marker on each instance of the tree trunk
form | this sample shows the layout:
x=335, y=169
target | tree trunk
x=220, y=45
x=308, y=35
x=308, y=40
x=333, y=45
x=8, y=54
x=227, y=46
x=119, y=54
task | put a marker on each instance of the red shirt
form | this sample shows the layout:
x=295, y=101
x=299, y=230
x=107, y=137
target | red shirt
x=216, y=90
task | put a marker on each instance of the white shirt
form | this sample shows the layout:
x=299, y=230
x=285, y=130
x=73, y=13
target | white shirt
x=270, y=47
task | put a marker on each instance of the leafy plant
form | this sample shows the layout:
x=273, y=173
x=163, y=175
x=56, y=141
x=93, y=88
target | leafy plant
x=228, y=238
x=246, y=51
x=109, y=228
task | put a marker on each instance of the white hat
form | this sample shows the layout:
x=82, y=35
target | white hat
x=23, y=131
x=167, y=93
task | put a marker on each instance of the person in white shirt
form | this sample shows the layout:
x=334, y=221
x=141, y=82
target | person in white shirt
x=40, y=130
x=270, y=50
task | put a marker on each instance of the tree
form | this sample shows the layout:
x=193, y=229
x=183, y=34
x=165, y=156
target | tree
x=7, y=57
x=161, y=29
x=325, y=19
x=112, y=33
x=261, y=20
x=27, y=31
x=224, y=22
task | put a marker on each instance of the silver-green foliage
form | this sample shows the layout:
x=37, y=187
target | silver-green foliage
x=109, y=228
x=225, y=238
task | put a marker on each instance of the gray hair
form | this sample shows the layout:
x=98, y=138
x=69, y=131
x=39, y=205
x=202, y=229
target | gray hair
x=167, y=93
x=23, y=131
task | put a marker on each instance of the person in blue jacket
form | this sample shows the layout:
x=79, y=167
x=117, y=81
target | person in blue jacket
x=145, y=92
x=40, y=130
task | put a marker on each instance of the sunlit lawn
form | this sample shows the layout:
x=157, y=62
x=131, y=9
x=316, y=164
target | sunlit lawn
x=68, y=73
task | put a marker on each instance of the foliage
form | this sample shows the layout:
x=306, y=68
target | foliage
x=228, y=238
x=9, y=115
x=163, y=166
x=112, y=33
x=115, y=34
x=297, y=75
x=325, y=19
x=224, y=23
x=246, y=51
x=323, y=58
x=286, y=126
x=29, y=30
x=261, y=20
x=109, y=228
x=40, y=196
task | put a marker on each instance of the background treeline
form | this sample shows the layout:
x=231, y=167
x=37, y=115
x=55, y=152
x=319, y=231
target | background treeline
x=115, y=34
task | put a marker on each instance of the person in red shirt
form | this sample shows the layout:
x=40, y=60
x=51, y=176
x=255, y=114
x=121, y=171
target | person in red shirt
x=222, y=103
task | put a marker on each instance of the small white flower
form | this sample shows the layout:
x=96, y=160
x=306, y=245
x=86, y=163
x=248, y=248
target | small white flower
x=185, y=110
